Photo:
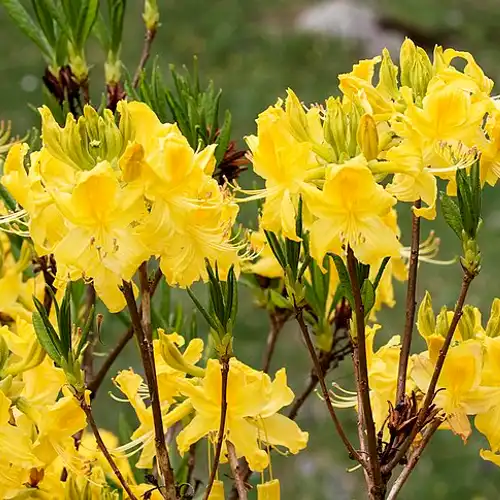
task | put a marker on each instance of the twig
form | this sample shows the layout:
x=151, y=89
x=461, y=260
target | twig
x=146, y=350
x=239, y=480
x=429, y=397
x=359, y=345
x=411, y=305
x=102, y=447
x=191, y=463
x=277, y=320
x=321, y=379
x=224, y=362
x=88, y=355
x=94, y=385
x=146, y=49
x=413, y=460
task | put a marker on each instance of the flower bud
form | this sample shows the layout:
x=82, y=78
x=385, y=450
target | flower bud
x=388, y=76
x=4, y=352
x=269, y=490
x=493, y=325
x=467, y=323
x=421, y=73
x=78, y=64
x=426, y=322
x=217, y=492
x=334, y=126
x=296, y=116
x=442, y=323
x=367, y=137
x=407, y=57
x=112, y=68
x=151, y=15
x=173, y=357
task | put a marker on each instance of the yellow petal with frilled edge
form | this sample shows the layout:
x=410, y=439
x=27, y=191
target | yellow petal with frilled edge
x=269, y=490
x=488, y=423
x=198, y=428
x=490, y=456
x=129, y=383
x=280, y=394
x=490, y=374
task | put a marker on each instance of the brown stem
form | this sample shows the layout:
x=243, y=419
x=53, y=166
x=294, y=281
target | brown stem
x=88, y=355
x=146, y=49
x=239, y=479
x=277, y=320
x=411, y=305
x=94, y=385
x=429, y=397
x=362, y=383
x=102, y=447
x=191, y=463
x=321, y=379
x=413, y=460
x=146, y=350
x=224, y=362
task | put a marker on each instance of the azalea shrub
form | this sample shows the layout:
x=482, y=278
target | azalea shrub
x=106, y=206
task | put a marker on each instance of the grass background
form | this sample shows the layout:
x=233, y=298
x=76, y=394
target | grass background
x=251, y=50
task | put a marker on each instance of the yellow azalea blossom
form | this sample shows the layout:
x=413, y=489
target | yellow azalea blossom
x=101, y=241
x=489, y=160
x=459, y=390
x=252, y=418
x=351, y=210
x=288, y=167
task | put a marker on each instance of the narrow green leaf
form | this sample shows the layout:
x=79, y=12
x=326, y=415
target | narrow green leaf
x=380, y=272
x=45, y=339
x=116, y=9
x=224, y=138
x=10, y=203
x=344, y=279
x=24, y=22
x=208, y=318
x=368, y=296
x=45, y=20
x=275, y=245
x=451, y=214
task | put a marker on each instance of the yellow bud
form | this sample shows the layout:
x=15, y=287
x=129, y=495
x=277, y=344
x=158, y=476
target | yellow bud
x=367, y=137
x=217, y=492
x=421, y=74
x=4, y=352
x=151, y=15
x=426, y=322
x=296, y=116
x=269, y=490
x=493, y=326
x=442, y=322
x=467, y=323
x=388, y=76
x=407, y=58
x=34, y=356
x=78, y=64
x=173, y=357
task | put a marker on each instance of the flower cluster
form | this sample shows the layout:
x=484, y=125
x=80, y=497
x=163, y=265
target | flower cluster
x=102, y=198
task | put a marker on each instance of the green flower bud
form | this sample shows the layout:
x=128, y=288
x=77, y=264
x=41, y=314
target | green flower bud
x=426, y=321
x=388, y=76
x=493, y=325
x=151, y=15
x=113, y=68
x=467, y=323
x=407, y=57
x=296, y=116
x=173, y=357
x=4, y=353
x=442, y=323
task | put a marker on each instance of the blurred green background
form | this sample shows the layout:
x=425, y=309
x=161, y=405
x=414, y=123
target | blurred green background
x=254, y=51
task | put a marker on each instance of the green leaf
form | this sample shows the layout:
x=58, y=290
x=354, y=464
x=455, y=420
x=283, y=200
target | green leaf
x=64, y=320
x=275, y=245
x=45, y=20
x=10, y=203
x=208, y=318
x=24, y=22
x=87, y=17
x=451, y=214
x=368, y=296
x=279, y=301
x=45, y=339
x=101, y=32
x=116, y=9
x=72, y=11
x=380, y=272
x=224, y=138
x=464, y=197
x=345, y=281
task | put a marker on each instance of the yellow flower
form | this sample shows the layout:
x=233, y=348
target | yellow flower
x=459, y=392
x=101, y=241
x=288, y=167
x=252, y=418
x=351, y=210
